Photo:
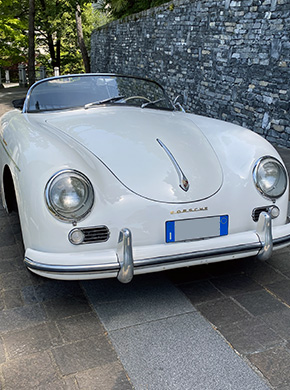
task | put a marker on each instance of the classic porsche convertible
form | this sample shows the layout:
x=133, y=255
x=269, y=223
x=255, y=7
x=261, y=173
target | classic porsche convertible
x=111, y=179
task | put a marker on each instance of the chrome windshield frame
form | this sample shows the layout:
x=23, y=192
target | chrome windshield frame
x=25, y=108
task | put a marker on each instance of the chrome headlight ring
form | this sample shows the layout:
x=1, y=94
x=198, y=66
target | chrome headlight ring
x=69, y=195
x=270, y=177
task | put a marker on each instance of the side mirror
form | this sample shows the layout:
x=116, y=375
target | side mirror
x=18, y=103
x=178, y=101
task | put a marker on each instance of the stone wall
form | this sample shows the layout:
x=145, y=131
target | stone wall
x=229, y=59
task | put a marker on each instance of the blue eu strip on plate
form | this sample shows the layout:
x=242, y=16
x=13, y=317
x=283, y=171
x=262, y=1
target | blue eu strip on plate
x=197, y=228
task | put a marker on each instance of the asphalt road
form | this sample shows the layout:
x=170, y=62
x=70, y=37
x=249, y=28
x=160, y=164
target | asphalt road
x=220, y=326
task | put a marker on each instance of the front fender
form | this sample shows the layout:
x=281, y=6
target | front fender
x=34, y=154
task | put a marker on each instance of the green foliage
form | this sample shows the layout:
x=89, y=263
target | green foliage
x=122, y=8
x=13, y=32
x=59, y=21
x=54, y=24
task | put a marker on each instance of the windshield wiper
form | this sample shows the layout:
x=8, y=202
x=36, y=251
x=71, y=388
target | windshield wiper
x=108, y=100
x=149, y=103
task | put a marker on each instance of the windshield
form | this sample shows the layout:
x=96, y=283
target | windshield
x=89, y=91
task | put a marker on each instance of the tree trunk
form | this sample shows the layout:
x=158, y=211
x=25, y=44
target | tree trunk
x=54, y=61
x=81, y=42
x=31, y=47
x=51, y=50
x=58, y=46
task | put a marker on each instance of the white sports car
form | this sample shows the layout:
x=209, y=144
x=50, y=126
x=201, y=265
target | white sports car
x=111, y=179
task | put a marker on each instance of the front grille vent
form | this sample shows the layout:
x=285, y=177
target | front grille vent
x=96, y=234
x=256, y=212
x=91, y=235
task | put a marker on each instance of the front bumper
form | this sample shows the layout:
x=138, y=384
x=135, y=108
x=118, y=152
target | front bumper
x=127, y=260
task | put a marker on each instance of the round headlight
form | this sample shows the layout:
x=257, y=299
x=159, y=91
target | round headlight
x=69, y=195
x=270, y=177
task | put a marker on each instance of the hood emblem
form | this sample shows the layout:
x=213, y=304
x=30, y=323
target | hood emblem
x=183, y=182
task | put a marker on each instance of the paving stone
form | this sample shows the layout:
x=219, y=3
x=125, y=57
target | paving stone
x=259, y=302
x=83, y=355
x=8, y=251
x=280, y=260
x=251, y=338
x=7, y=266
x=230, y=267
x=19, y=264
x=71, y=383
x=282, y=387
x=66, y=307
x=6, y=238
x=281, y=289
x=15, y=227
x=263, y=273
x=202, y=291
x=52, y=289
x=15, y=280
x=38, y=280
x=80, y=327
x=12, y=298
x=2, y=352
x=145, y=299
x=222, y=312
x=240, y=341
x=274, y=365
x=109, y=376
x=4, y=220
x=2, y=305
x=279, y=322
x=13, y=217
x=103, y=291
x=21, y=318
x=32, y=372
x=235, y=284
x=28, y=341
x=181, y=352
x=28, y=295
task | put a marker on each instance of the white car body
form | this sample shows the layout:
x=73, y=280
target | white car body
x=120, y=149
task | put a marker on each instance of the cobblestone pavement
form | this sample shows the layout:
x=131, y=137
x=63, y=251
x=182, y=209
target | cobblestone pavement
x=71, y=335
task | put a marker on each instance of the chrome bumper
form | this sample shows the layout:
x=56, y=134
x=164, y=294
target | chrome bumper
x=125, y=267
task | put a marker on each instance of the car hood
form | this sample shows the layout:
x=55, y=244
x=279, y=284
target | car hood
x=147, y=150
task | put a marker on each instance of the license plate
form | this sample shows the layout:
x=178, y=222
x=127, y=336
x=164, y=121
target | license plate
x=197, y=228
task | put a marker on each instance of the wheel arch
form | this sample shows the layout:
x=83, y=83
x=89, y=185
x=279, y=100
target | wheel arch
x=9, y=194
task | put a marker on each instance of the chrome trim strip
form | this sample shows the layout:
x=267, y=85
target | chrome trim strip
x=199, y=255
x=281, y=240
x=99, y=268
x=183, y=182
x=111, y=267
x=125, y=256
